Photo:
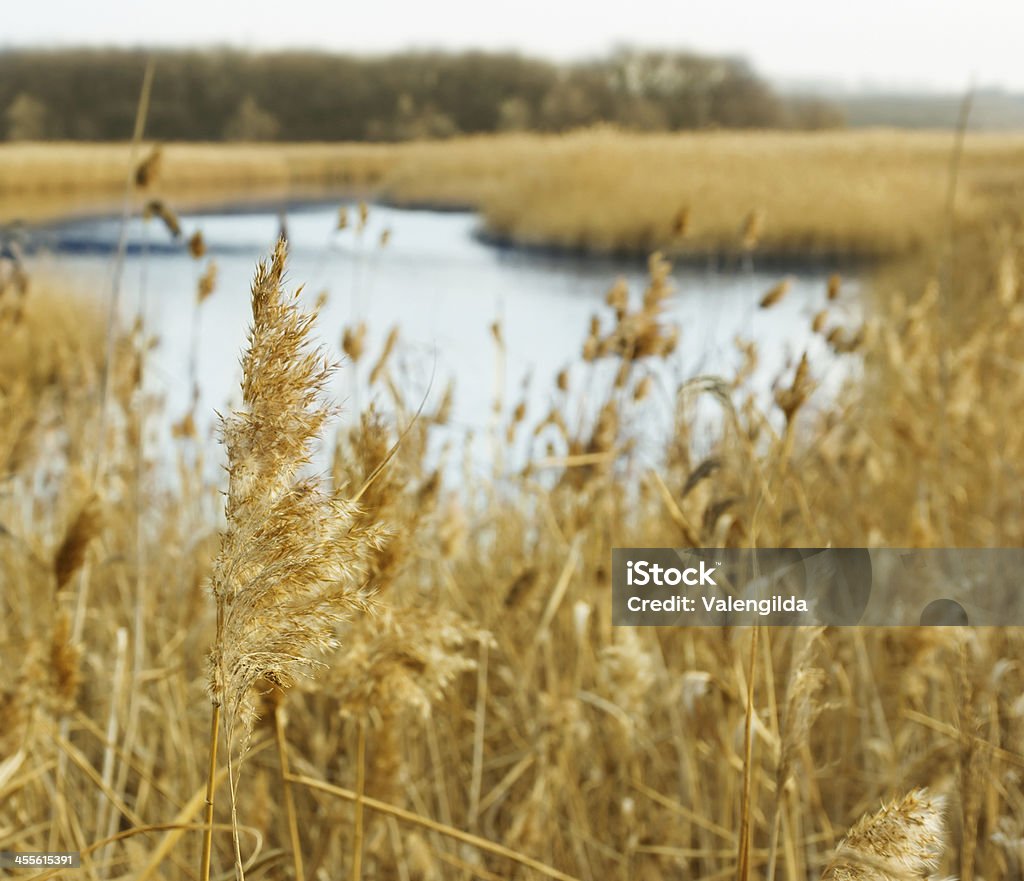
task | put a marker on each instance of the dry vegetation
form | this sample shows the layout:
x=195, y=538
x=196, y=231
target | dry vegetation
x=484, y=719
x=851, y=195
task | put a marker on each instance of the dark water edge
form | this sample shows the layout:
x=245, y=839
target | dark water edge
x=56, y=235
x=711, y=261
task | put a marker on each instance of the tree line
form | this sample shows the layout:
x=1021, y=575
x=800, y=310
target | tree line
x=214, y=95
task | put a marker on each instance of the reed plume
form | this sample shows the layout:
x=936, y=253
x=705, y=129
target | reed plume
x=70, y=554
x=290, y=562
x=160, y=209
x=776, y=293
x=903, y=840
x=147, y=171
x=197, y=245
x=207, y=283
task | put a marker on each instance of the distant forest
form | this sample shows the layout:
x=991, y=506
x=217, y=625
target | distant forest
x=303, y=96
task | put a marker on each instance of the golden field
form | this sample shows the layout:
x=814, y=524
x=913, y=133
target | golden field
x=848, y=195
x=480, y=717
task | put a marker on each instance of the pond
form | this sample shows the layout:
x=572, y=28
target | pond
x=443, y=288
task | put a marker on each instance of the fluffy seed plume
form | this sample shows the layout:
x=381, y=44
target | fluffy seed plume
x=903, y=840
x=382, y=361
x=681, y=222
x=790, y=399
x=147, y=171
x=70, y=553
x=776, y=293
x=197, y=245
x=65, y=658
x=753, y=228
x=207, y=282
x=353, y=341
x=290, y=562
x=161, y=210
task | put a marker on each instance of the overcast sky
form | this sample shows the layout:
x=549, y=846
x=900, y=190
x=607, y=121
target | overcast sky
x=937, y=44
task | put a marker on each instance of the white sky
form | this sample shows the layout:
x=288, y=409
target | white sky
x=936, y=44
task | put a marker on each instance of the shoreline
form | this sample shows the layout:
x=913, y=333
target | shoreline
x=712, y=261
x=785, y=201
x=241, y=204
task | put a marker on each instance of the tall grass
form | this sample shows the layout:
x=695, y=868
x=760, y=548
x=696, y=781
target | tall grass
x=864, y=195
x=489, y=721
x=290, y=568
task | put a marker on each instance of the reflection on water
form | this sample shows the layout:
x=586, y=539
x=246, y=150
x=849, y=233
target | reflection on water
x=443, y=288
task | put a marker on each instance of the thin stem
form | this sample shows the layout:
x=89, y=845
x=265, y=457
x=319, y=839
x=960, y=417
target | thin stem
x=289, y=798
x=141, y=112
x=743, y=863
x=434, y=826
x=478, y=736
x=204, y=866
x=233, y=791
x=357, y=835
x=773, y=844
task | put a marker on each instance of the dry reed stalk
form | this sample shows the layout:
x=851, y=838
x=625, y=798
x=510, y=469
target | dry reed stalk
x=389, y=346
x=746, y=806
x=289, y=795
x=103, y=826
x=81, y=598
x=290, y=564
x=357, y=819
x=211, y=786
x=141, y=114
x=800, y=710
x=479, y=721
x=434, y=826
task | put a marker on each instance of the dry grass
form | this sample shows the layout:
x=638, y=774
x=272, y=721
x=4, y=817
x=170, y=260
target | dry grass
x=846, y=194
x=46, y=180
x=852, y=195
x=490, y=722
x=905, y=839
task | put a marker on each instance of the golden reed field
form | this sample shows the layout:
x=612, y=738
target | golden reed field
x=853, y=195
x=404, y=670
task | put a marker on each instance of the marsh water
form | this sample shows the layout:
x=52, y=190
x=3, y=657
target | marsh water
x=443, y=287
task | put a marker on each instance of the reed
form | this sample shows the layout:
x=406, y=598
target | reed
x=489, y=721
x=291, y=563
x=855, y=196
x=904, y=839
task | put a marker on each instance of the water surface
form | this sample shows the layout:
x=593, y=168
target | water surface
x=443, y=288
